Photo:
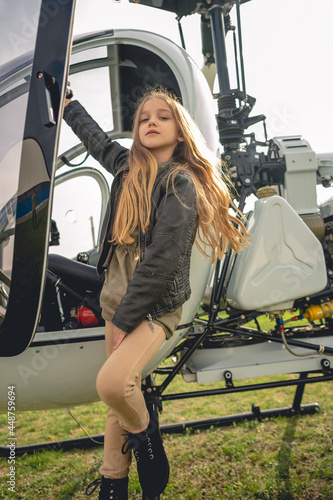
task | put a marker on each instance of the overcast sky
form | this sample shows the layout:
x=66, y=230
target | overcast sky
x=287, y=50
x=288, y=47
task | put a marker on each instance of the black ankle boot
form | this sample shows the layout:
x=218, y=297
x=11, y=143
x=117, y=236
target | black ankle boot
x=110, y=489
x=152, y=462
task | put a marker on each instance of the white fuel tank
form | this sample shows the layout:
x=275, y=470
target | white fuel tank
x=284, y=261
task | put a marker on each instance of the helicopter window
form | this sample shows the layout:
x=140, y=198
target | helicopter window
x=13, y=202
x=77, y=213
x=139, y=68
x=92, y=88
x=19, y=28
x=13, y=105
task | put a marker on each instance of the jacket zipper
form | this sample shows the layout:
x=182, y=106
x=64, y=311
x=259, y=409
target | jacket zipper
x=151, y=324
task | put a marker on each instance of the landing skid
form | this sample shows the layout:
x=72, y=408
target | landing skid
x=256, y=414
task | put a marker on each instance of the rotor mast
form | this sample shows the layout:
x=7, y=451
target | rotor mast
x=233, y=117
x=220, y=51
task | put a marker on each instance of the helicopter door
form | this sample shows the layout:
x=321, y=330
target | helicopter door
x=33, y=62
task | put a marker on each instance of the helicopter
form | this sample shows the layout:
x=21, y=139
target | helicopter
x=53, y=197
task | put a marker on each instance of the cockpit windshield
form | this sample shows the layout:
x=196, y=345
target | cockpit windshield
x=19, y=32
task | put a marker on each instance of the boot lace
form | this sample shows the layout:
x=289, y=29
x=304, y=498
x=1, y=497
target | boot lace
x=133, y=441
x=93, y=486
x=105, y=488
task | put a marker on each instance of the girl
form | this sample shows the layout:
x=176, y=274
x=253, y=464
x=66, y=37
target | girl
x=165, y=188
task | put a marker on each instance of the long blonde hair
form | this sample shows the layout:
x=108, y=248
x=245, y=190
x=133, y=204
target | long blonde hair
x=217, y=226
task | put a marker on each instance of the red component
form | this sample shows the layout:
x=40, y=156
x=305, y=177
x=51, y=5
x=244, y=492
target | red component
x=86, y=317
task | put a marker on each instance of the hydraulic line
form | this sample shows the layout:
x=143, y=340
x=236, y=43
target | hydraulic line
x=280, y=328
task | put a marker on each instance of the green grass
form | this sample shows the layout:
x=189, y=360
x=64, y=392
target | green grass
x=275, y=459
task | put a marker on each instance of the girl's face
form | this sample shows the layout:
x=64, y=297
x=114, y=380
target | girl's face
x=158, y=129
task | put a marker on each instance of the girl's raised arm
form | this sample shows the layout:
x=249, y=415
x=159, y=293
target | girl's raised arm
x=110, y=154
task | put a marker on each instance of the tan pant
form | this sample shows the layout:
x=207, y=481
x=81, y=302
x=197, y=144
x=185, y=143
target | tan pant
x=119, y=386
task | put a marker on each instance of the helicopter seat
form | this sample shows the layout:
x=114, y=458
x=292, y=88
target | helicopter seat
x=75, y=274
